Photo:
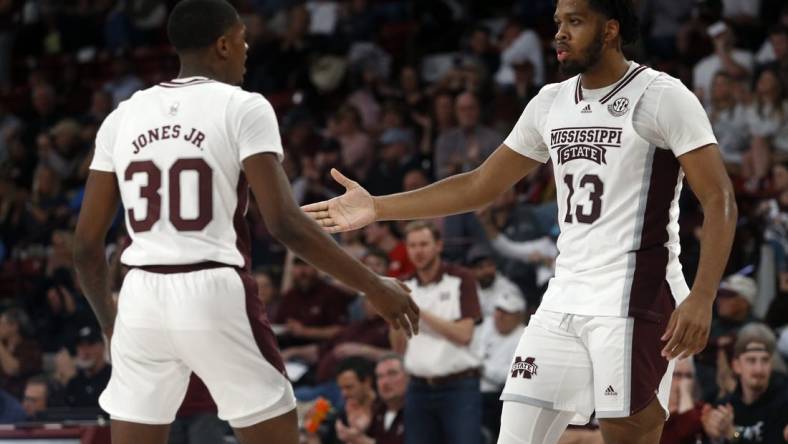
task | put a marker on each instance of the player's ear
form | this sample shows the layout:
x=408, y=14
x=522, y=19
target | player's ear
x=222, y=47
x=612, y=30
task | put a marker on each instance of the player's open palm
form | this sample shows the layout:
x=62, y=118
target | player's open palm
x=391, y=298
x=350, y=211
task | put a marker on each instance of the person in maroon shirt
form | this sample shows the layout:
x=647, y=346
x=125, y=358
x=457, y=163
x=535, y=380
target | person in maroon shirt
x=196, y=421
x=20, y=357
x=380, y=235
x=367, y=338
x=312, y=310
x=684, y=425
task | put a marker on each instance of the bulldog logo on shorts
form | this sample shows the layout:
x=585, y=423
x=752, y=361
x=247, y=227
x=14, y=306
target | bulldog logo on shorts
x=523, y=368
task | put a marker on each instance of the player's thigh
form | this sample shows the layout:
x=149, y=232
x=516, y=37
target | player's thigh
x=149, y=380
x=223, y=335
x=529, y=424
x=629, y=372
x=551, y=368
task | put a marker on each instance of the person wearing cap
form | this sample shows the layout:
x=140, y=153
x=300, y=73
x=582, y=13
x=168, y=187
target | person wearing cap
x=492, y=284
x=734, y=303
x=312, y=310
x=756, y=411
x=395, y=158
x=495, y=342
x=93, y=372
x=443, y=402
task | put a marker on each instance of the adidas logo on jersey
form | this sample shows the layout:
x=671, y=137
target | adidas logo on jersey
x=586, y=109
x=610, y=392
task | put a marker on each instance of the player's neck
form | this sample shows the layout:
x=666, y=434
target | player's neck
x=609, y=70
x=199, y=68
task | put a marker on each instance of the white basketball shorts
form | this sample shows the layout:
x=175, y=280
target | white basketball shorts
x=611, y=365
x=210, y=322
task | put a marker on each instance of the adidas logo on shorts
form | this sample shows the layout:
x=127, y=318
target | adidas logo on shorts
x=610, y=392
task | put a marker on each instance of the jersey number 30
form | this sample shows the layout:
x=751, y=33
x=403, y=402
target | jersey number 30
x=597, y=189
x=150, y=192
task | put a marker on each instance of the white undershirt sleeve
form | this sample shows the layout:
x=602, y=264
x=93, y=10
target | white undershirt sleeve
x=105, y=141
x=526, y=136
x=257, y=127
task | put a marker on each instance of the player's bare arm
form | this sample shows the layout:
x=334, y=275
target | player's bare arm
x=455, y=194
x=305, y=238
x=99, y=207
x=688, y=329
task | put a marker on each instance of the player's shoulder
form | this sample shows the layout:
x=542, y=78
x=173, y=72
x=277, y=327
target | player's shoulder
x=550, y=90
x=663, y=82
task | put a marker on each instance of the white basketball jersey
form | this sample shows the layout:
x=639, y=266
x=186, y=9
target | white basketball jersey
x=176, y=149
x=617, y=199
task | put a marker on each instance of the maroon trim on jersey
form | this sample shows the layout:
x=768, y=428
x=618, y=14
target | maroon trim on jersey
x=651, y=259
x=264, y=336
x=188, y=83
x=647, y=366
x=622, y=83
x=578, y=91
x=182, y=268
x=243, y=239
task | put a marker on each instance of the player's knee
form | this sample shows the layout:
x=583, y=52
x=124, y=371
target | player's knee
x=642, y=423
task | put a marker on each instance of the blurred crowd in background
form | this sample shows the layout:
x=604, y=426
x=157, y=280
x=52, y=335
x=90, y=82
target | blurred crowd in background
x=396, y=94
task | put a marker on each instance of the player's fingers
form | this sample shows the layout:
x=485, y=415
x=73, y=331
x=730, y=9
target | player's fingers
x=344, y=181
x=317, y=206
x=413, y=319
x=328, y=222
x=671, y=326
x=334, y=229
x=403, y=286
x=671, y=348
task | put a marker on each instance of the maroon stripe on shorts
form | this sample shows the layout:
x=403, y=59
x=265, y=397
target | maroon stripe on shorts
x=651, y=259
x=648, y=366
x=264, y=336
x=243, y=239
x=182, y=268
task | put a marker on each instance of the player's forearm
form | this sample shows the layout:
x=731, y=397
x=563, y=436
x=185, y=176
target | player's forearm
x=453, y=195
x=92, y=272
x=719, y=226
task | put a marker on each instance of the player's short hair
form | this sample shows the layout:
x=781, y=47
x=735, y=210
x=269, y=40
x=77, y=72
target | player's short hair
x=624, y=12
x=196, y=24
x=378, y=253
x=422, y=224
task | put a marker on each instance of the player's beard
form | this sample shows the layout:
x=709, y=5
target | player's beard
x=587, y=59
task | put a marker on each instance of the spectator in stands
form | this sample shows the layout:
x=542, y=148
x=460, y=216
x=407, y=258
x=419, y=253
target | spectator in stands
x=469, y=144
x=395, y=157
x=20, y=356
x=728, y=120
x=124, y=82
x=738, y=63
x=495, y=342
x=9, y=124
x=381, y=236
x=35, y=400
x=11, y=411
x=480, y=47
x=93, y=370
x=267, y=292
x=774, y=53
x=767, y=120
x=66, y=153
x=443, y=403
x=755, y=412
x=44, y=113
x=492, y=284
x=355, y=378
x=312, y=310
x=684, y=424
x=387, y=425
x=356, y=145
x=517, y=45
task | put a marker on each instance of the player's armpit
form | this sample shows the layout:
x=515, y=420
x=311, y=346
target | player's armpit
x=99, y=207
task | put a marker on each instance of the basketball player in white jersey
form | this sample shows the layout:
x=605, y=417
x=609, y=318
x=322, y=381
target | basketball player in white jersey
x=621, y=138
x=181, y=156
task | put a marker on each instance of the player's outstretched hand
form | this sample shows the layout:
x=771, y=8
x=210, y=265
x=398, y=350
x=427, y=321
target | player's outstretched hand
x=688, y=328
x=391, y=298
x=350, y=211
